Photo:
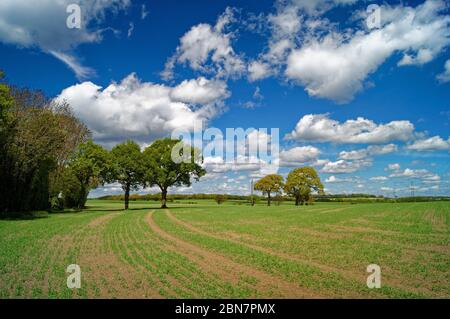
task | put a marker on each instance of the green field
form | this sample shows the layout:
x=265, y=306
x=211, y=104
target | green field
x=203, y=250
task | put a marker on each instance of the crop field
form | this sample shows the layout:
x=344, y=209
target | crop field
x=204, y=250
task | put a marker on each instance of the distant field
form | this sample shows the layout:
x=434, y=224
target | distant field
x=201, y=249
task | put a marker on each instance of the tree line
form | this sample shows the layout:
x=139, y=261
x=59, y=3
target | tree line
x=48, y=158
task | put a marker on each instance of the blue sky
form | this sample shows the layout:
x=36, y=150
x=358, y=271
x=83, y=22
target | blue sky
x=368, y=106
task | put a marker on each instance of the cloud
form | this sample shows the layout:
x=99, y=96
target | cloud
x=379, y=178
x=130, y=29
x=417, y=173
x=320, y=128
x=435, y=143
x=258, y=71
x=27, y=25
x=256, y=166
x=334, y=179
x=297, y=156
x=393, y=167
x=335, y=66
x=144, y=12
x=208, y=49
x=82, y=72
x=342, y=166
x=139, y=110
x=445, y=76
x=369, y=151
x=200, y=91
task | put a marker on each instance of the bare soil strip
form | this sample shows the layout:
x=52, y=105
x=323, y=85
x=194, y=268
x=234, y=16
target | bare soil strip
x=103, y=219
x=140, y=255
x=102, y=270
x=126, y=281
x=230, y=270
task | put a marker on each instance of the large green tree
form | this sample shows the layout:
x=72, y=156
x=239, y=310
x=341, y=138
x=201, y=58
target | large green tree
x=164, y=171
x=301, y=182
x=89, y=167
x=127, y=167
x=269, y=185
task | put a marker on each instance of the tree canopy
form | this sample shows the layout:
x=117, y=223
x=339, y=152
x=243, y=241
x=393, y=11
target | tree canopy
x=269, y=184
x=127, y=167
x=88, y=168
x=164, y=172
x=301, y=182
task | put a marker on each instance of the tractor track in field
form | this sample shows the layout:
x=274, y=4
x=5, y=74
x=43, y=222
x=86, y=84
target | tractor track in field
x=138, y=254
x=321, y=267
x=324, y=268
x=102, y=269
x=126, y=281
x=230, y=270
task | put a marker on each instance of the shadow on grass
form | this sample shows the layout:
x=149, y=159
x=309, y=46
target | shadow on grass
x=23, y=215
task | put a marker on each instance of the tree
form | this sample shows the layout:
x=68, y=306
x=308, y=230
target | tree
x=6, y=101
x=301, y=182
x=219, y=198
x=90, y=166
x=127, y=167
x=269, y=184
x=163, y=171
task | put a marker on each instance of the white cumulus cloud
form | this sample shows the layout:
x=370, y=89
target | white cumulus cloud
x=335, y=66
x=417, y=173
x=207, y=48
x=369, y=151
x=139, y=110
x=320, y=128
x=299, y=155
x=343, y=166
x=200, y=91
x=435, y=143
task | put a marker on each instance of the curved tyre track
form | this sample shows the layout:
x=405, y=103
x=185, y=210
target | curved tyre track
x=267, y=285
x=325, y=268
x=321, y=267
x=107, y=275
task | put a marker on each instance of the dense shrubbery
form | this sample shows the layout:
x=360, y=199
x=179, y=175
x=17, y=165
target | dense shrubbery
x=36, y=138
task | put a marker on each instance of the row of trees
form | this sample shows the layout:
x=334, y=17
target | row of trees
x=48, y=159
x=153, y=167
x=300, y=183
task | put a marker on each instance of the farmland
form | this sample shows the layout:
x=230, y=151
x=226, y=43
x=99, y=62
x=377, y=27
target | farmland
x=204, y=250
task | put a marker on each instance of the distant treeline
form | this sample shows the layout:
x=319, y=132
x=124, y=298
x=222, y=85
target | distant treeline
x=348, y=198
x=172, y=197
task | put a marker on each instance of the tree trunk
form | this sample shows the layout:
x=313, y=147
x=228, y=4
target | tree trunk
x=296, y=201
x=163, y=198
x=127, y=195
x=268, y=198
